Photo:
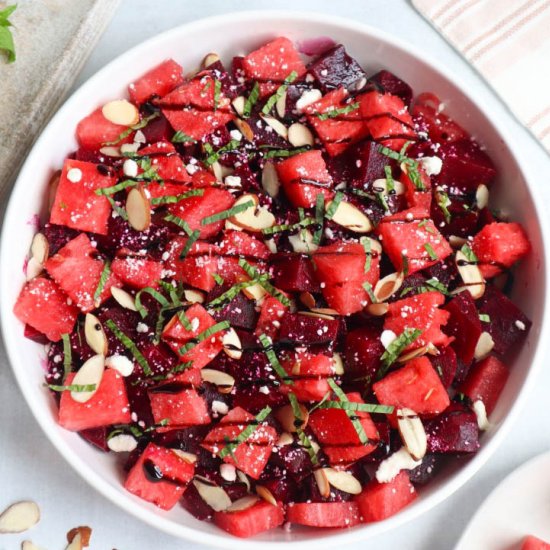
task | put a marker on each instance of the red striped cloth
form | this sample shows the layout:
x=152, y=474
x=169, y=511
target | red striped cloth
x=508, y=42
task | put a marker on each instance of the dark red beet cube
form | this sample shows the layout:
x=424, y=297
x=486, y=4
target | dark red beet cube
x=445, y=365
x=294, y=273
x=302, y=329
x=391, y=84
x=363, y=350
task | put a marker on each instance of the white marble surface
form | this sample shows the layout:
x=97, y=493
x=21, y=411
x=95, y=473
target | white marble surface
x=31, y=468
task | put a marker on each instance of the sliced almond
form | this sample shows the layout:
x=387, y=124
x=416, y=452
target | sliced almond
x=285, y=439
x=138, y=209
x=229, y=225
x=190, y=458
x=471, y=276
x=300, y=135
x=76, y=543
x=412, y=433
x=243, y=478
x=213, y=495
x=391, y=466
x=377, y=310
x=232, y=344
x=85, y=533
x=266, y=494
x=280, y=106
x=245, y=129
x=457, y=242
x=337, y=364
x=255, y=292
x=19, y=517
x=317, y=315
x=217, y=170
x=373, y=245
x=302, y=242
x=349, y=216
x=224, y=381
x=33, y=269
x=482, y=196
x=243, y=503
x=270, y=179
x=193, y=296
x=307, y=299
x=40, y=248
x=325, y=311
x=90, y=373
x=238, y=104
x=210, y=59
x=381, y=186
x=272, y=245
x=484, y=346
x=418, y=352
x=53, y=185
x=388, y=286
x=481, y=415
x=289, y=423
x=322, y=482
x=254, y=218
x=111, y=151
x=122, y=443
x=277, y=125
x=121, y=111
x=95, y=335
x=123, y=298
x=29, y=545
x=228, y=472
x=343, y=481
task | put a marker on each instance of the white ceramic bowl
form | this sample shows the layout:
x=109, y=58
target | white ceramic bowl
x=229, y=35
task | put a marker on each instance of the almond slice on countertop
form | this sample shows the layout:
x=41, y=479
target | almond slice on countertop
x=276, y=125
x=343, y=481
x=29, y=545
x=388, y=286
x=245, y=129
x=40, y=248
x=300, y=135
x=266, y=494
x=193, y=296
x=322, y=482
x=254, y=218
x=484, y=346
x=121, y=111
x=470, y=275
x=349, y=216
x=123, y=298
x=381, y=186
x=243, y=503
x=19, y=517
x=90, y=373
x=95, y=335
x=270, y=179
x=224, y=381
x=412, y=433
x=289, y=423
x=76, y=543
x=377, y=310
x=138, y=209
x=85, y=533
x=238, y=104
x=213, y=495
x=210, y=59
x=122, y=443
x=232, y=344
x=190, y=458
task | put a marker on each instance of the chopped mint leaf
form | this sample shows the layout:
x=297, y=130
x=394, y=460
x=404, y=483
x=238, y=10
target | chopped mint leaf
x=334, y=113
x=130, y=346
x=181, y=137
x=251, y=100
x=67, y=355
x=218, y=327
x=394, y=350
x=102, y=281
x=227, y=213
x=331, y=210
x=469, y=253
x=279, y=93
x=78, y=388
x=273, y=359
x=431, y=252
x=6, y=37
x=140, y=125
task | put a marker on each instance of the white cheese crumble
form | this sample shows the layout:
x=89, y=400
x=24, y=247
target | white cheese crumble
x=481, y=414
x=432, y=165
x=130, y=168
x=307, y=98
x=400, y=460
x=387, y=337
x=122, y=443
x=120, y=363
x=74, y=175
x=228, y=472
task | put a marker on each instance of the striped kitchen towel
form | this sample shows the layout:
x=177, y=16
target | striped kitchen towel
x=508, y=42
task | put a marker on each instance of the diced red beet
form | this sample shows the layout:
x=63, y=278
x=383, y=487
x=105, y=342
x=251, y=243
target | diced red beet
x=57, y=236
x=35, y=335
x=195, y=505
x=428, y=114
x=43, y=305
x=363, y=350
x=391, y=84
x=455, y=431
x=159, y=476
x=324, y=514
x=240, y=312
x=464, y=325
x=156, y=82
x=261, y=517
x=425, y=472
x=508, y=325
x=485, y=382
x=302, y=329
x=108, y=405
x=294, y=273
x=336, y=68
x=445, y=364
x=379, y=501
x=415, y=386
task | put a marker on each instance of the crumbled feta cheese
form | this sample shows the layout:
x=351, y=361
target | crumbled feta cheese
x=122, y=443
x=130, y=168
x=307, y=98
x=74, y=175
x=219, y=407
x=432, y=165
x=387, y=337
x=481, y=414
x=120, y=363
x=391, y=466
x=228, y=472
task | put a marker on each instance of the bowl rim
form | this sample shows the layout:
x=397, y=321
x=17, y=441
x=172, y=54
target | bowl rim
x=332, y=538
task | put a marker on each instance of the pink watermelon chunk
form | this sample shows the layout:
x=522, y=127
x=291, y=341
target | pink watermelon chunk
x=157, y=82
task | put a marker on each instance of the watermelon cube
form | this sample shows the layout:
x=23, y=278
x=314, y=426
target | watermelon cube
x=156, y=82
x=498, y=246
x=324, y=514
x=78, y=273
x=269, y=321
x=94, y=131
x=379, y=501
x=137, y=272
x=109, y=405
x=534, y=543
x=44, y=306
x=176, y=336
x=179, y=405
x=441, y=129
x=159, y=476
x=260, y=517
x=415, y=386
x=309, y=373
x=251, y=455
x=303, y=177
x=76, y=204
x=414, y=245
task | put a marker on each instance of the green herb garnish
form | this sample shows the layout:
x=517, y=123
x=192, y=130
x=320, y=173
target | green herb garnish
x=394, y=350
x=279, y=93
x=231, y=294
x=306, y=442
x=319, y=218
x=253, y=273
x=334, y=113
x=181, y=137
x=333, y=206
x=273, y=359
x=102, y=281
x=213, y=156
x=118, y=209
x=155, y=294
x=431, y=252
x=219, y=280
x=173, y=199
x=469, y=253
x=193, y=238
x=67, y=355
x=140, y=125
x=251, y=100
x=78, y=388
x=218, y=327
x=227, y=213
x=288, y=227
x=181, y=223
x=368, y=289
x=484, y=318
x=6, y=37
x=412, y=165
x=390, y=184
x=217, y=93
x=130, y=346
x=342, y=397
x=365, y=241
x=357, y=407
x=283, y=153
